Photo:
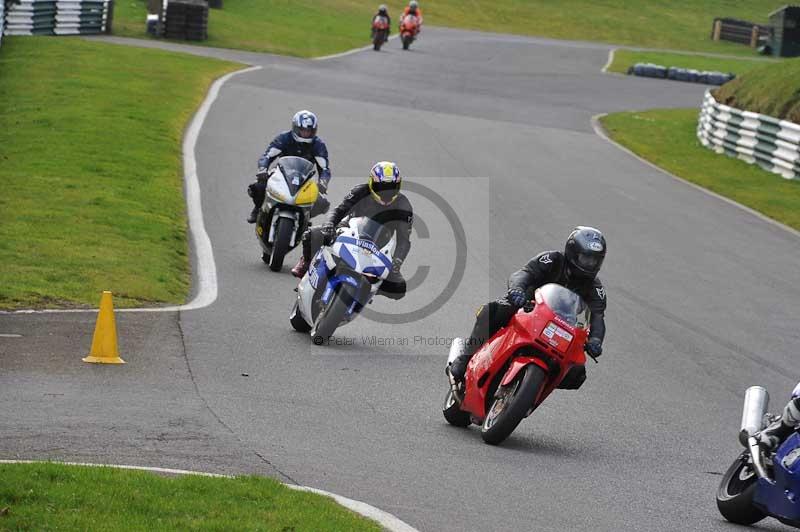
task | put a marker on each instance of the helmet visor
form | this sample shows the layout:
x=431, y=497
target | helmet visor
x=589, y=262
x=305, y=132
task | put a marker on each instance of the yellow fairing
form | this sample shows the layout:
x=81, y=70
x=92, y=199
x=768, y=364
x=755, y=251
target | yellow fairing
x=308, y=194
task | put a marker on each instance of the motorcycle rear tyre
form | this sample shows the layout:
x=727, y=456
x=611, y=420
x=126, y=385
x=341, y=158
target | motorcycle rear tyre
x=735, y=503
x=452, y=413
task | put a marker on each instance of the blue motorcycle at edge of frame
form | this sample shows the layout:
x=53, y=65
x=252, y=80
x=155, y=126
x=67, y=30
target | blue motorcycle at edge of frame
x=761, y=484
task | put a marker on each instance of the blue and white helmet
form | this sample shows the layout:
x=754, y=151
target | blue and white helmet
x=304, y=126
x=384, y=182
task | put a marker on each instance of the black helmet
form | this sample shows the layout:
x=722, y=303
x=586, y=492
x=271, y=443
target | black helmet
x=382, y=9
x=585, y=251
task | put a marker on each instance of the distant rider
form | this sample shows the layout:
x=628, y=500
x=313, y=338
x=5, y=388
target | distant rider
x=301, y=141
x=771, y=437
x=413, y=9
x=576, y=268
x=383, y=11
x=380, y=199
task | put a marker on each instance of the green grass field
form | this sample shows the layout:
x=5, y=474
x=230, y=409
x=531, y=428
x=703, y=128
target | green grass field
x=91, y=171
x=311, y=27
x=626, y=58
x=73, y=498
x=668, y=139
x=771, y=89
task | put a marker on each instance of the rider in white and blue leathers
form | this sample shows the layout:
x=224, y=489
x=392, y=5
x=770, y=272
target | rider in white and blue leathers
x=772, y=436
x=300, y=141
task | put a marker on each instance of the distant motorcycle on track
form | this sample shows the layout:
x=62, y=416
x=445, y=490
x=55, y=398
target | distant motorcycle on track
x=409, y=29
x=285, y=213
x=540, y=350
x=343, y=278
x=758, y=483
x=380, y=32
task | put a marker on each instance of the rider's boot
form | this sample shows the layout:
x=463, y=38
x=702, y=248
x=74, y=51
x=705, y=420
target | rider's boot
x=251, y=219
x=458, y=367
x=300, y=268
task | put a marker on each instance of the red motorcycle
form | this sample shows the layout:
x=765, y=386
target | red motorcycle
x=409, y=28
x=380, y=31
x=540, y=350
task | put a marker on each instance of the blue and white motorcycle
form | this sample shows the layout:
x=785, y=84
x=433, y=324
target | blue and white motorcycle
x=760, y=484
x=343, y=278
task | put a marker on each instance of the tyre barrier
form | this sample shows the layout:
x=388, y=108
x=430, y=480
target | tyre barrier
x=2, y=20
x=57, y=17
x=769, y=142
x=650, y=70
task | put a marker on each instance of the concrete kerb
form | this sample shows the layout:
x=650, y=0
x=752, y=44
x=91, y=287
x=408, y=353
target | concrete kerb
x=601, y=132
x=385, y=519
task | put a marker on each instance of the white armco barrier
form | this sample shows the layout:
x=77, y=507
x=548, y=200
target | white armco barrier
x=759, y=139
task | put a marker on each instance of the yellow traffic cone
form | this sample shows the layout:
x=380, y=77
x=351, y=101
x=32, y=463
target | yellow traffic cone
x=104, y=342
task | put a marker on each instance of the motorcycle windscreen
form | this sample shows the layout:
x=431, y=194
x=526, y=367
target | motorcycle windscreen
x=296, y=171
x=376, y=232
x=565, y=303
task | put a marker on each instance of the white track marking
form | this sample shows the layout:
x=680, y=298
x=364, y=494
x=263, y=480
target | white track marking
x=6, y=335
x=385, y=519
x=206, y=267
x=600, y=131
x=610, y=60
x=349, y=52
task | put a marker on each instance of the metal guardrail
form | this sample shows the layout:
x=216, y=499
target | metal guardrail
x=58, y=17
x=759, y=139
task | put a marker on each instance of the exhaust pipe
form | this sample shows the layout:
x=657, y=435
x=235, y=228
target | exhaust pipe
x=756, y=402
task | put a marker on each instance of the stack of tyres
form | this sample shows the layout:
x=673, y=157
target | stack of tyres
x=693, y=76
x=80, y=17
x=187, y=20
x=31, y=17
x=2, y=20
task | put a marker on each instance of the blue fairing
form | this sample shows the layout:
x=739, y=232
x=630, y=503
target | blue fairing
x=782, y=499
x=335, y=281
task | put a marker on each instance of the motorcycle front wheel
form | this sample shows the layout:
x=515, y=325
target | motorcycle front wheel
x=332, y=315
x=283, y=235
x=511, y=404
x=736, y=492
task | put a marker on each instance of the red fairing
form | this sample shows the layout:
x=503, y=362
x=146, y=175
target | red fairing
x=410, y=24
x=539, y=337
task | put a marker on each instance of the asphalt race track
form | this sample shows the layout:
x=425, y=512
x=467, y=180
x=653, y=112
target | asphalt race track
x=702, y=304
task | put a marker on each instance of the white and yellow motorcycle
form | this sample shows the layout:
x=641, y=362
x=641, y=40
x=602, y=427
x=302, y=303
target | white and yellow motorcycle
x=286, y=211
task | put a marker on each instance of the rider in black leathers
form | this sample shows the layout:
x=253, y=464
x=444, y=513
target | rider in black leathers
x=576, y=268
x=300, y=141
x=381, y=200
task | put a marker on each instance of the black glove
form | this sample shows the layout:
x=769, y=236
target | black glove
x=328, y=231
x=517, y=297
x=262, y=174
x=593, y=347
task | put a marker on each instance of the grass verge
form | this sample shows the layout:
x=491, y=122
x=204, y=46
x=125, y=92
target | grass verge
x=627, y=58
x=770, y=89
x=58, y=497
x=667, y=138
x=91, y=171
x=310, y=27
